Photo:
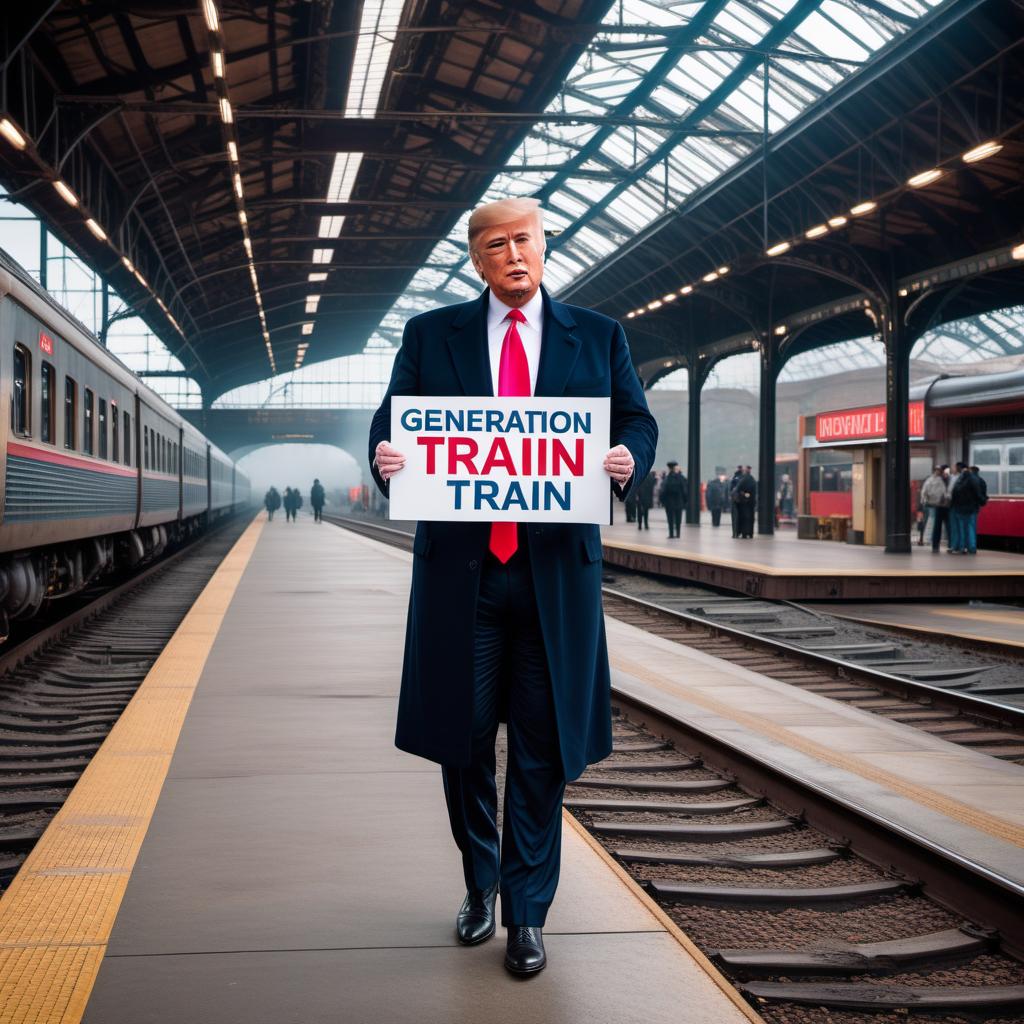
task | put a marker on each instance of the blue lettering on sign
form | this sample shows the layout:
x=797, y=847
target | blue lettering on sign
x=412, y=419
x=491, y=489
x=473, y=419
x=458, y=485
x=433, y=419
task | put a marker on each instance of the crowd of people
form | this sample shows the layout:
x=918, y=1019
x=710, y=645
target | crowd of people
x=670, y=490
x=292, y=501
x=949, y=501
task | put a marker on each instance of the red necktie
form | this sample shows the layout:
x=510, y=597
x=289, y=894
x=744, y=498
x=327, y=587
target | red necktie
x=514, y=381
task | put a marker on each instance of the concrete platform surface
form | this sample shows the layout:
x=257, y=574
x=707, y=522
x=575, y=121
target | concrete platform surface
x=299, y=868
x=999, y=624
x=783, y=554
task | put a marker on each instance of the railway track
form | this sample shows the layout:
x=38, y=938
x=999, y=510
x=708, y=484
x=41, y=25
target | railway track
x=63, y=689
x=953, y=701
x=817, y=911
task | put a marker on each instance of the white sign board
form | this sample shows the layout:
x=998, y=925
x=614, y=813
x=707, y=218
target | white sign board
x=524, y=460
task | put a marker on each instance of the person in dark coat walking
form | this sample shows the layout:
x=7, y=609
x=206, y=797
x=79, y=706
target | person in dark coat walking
x=272, y=502
x=716, y=495
x=645, y=499
x=316, y=500
x=744, y=496
x=512, y=604
x=289, y=508
x=674, y=492
x=969, y=494
x=734, y=512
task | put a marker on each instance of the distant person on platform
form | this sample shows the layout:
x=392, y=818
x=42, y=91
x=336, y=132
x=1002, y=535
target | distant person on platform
x=733, y=508
x=674, y=492
x=716, y=494
x=286, y=500
x=785, y=496
x=969, y=494
x=744, y=496
x=645, y=500
x=630, y=504
x=505, y=615
x=935, y=504
x=272, y=502
x=316, y=500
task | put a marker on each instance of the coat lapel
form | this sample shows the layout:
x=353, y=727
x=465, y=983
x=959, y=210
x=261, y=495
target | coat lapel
x=467, y=342
x=559, y=348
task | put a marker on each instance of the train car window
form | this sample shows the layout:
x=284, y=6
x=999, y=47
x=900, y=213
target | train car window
x=127, y=438
x=115, y=448
x=102, y=418
x=19, y=396
x=145, y=441
x=46, y=410
x=88, y=438
x=70, y=413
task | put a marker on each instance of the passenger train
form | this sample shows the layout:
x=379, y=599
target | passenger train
x=99, y=472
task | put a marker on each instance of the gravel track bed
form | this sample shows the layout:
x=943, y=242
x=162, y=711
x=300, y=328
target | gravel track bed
x=781, y=842
x=654, y=795
x=883, y=919
x=838, y=872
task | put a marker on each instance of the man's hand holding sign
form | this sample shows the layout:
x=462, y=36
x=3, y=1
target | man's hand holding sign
x=504, y=419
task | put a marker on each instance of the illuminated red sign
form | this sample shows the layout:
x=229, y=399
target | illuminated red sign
x=46, y=343
x=864, y=424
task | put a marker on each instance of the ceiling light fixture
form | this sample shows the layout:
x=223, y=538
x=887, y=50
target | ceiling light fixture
x=817, y=231
x=237, y=180
x=924, y=178
x=722, y=271
x=836, y=222
x=631, y=314
x=65, y=193
x=323, y=255
x=225, y=111
x=1017, y=252
x=312, y=301
x=861, y=208
x=656, y=304
x=708, y=278
x=686, y=289
x=232, y=151
x=330, y=227
x=781, y=329
x=247, y=245
x=217, y=63
x=777, y=249
x=307, y=328
x=210, y=14
x=243, y=219
x=671, y=297
x=986, y=149
x=96, y=229
x=318, y=276
x=10, y=132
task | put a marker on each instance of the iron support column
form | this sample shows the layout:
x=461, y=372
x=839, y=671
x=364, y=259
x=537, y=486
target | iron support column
x=43, y=256
x=695, y=383
x=766, y=439
x=899, y=341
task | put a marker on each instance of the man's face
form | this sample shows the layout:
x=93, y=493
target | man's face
x=510, y=259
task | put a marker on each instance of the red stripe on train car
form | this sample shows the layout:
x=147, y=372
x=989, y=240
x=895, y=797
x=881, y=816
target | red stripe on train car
x=26, y=451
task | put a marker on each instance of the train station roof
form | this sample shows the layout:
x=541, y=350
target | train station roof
x=276, y=184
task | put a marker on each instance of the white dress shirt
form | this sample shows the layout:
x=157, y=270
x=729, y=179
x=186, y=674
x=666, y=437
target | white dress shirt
x=530, y=333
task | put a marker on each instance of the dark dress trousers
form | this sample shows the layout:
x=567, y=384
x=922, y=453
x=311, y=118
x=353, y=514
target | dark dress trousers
x=528, y=636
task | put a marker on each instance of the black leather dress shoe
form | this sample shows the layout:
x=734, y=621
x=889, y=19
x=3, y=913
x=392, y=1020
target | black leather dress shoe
x=524, y=953
x=475, y=922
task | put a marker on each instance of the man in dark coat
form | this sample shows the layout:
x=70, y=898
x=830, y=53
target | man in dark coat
x=716, y=496
x=744, y=496
x=645, y=499
x=734, y=511
x=674, y=492
x=272, y=501
x=316, y=499
x=494, y=603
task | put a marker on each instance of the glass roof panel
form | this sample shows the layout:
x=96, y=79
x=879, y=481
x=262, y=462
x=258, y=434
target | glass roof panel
x=623, y=73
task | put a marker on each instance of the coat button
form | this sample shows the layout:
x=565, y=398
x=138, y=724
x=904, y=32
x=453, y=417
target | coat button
x=474, y=564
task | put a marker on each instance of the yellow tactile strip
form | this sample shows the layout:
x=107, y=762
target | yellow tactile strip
x=57, y=915
x=933, y=799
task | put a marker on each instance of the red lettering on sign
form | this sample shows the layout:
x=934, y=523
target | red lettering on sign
x=499, y=456
x=560, y=454
x=864, y=424
x=456, y=455
x=46, y=343
x=431, y=444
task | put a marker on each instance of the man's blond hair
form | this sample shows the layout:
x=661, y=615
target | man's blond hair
x=501, y=212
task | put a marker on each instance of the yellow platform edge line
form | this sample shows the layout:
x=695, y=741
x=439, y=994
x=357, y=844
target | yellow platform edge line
x=57, y=915
x=666, y=922
x=983, y=821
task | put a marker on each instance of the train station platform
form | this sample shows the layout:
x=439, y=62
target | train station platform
x=248, y=844
x=783, y=567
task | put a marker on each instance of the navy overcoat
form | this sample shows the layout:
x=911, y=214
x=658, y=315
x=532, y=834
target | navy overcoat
x=583, y=355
